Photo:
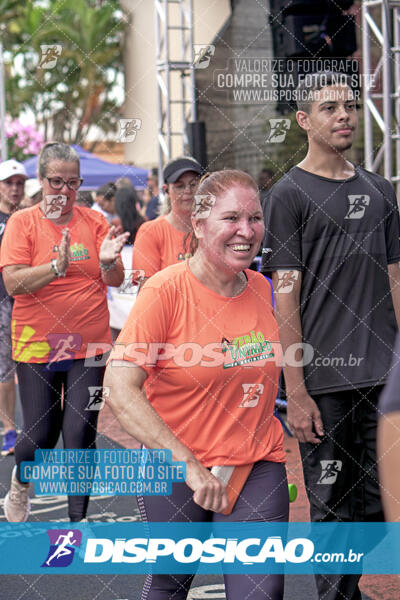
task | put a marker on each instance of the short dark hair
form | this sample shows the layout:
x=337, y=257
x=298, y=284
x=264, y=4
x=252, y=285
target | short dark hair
x=107, y=190
x=312, y=82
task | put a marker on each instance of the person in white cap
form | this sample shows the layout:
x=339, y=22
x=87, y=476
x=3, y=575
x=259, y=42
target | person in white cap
x=33, y=193
x=12, y=182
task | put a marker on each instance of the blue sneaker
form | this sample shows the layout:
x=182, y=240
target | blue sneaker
x=9, y=442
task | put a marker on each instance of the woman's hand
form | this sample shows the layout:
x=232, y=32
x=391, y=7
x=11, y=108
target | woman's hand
x=64, y=252
x=209, y=491
x=112, y=246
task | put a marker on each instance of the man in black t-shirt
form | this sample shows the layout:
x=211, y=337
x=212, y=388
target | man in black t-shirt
x=332, y=247
x=12, y=182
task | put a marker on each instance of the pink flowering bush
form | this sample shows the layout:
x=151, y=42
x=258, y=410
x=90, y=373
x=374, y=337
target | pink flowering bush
x=23, y=141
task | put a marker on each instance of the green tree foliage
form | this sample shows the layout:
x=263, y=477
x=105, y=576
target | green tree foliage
x=71, y=86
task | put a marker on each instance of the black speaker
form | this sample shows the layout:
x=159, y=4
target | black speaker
x=341, y=30
x=301, y=35
x=314, y=36
x=196, y=133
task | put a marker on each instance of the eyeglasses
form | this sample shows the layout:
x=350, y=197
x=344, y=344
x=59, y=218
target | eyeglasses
x=57, y=183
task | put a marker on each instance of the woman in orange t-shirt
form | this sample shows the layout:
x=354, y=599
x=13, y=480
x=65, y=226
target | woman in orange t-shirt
x=205, y=346
x=57, y=260
x=161, y=242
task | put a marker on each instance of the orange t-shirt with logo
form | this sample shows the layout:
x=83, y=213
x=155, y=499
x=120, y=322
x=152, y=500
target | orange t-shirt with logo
x=59, y=320
x=158, y=245
x=212, y=364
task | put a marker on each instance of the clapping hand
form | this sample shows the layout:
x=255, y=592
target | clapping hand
x=112, y=246
x=64, y=251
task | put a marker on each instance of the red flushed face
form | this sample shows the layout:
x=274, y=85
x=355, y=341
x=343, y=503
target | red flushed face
x=231, y=233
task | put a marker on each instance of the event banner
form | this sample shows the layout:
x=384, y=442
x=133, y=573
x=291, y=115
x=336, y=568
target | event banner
x=127, y=548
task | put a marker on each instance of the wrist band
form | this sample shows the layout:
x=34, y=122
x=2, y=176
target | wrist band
x=109, y=266
x=55, y=269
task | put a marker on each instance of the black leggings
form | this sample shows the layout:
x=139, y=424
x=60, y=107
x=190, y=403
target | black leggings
x=263, y=498
x=54, y=402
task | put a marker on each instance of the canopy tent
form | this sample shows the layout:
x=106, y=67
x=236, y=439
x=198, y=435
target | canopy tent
x=95, y=172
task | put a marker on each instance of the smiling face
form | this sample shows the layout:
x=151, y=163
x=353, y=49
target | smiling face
x=230, y=236
x=69, y=171
x=333, y=118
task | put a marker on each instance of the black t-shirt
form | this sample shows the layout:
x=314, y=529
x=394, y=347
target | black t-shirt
x=3, y=220
x=341, y=235
x=390, y=399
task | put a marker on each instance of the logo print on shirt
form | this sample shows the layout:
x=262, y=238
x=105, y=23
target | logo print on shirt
x=79, y=252
x=251, y=394
x=62, y=547
x=329, y=471
x=357, y=206
x=286, y=280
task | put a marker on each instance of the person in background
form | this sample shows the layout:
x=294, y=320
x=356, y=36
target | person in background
x=208, y=412
x=120, y=300
x=12, y=180
x=33, y=193
x=123, y=182
x=388, y=440
x=332, y=246
x=265, y=179
x=152, y=207
x=105, y=201
x=57, y=260
x=145, y=199
x=84, y=199
x=162, y=242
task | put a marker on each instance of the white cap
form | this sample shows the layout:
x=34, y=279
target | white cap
x=12, y=167
x=32, y=187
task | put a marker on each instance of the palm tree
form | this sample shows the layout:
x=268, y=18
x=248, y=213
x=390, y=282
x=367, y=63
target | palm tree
x=76, y=94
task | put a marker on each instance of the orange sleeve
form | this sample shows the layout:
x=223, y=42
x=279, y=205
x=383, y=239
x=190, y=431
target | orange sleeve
x=146, y=254
x=143, y=337
x=16, y=246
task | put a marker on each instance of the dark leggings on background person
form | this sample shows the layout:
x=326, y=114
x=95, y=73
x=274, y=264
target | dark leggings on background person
x=47, y=412
x=263, y=498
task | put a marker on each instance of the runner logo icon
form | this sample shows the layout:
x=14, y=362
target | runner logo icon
x=357, y=206
x=202, y=55
x=251, y=394
x=128, y=129
x=286, y=281
x=329, y=471
x=98, y=396
x=279, y=129
x=62, y=547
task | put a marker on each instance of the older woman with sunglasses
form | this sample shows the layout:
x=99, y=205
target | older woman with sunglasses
x=57, y=260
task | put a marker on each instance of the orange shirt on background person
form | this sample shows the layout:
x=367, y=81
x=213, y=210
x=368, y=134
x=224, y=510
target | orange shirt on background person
x=215, y=386
x=158, y=245
x=71, y=308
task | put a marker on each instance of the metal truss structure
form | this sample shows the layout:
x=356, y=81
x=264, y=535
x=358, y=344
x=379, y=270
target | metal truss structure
x=175, y=77
x=381, y=46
